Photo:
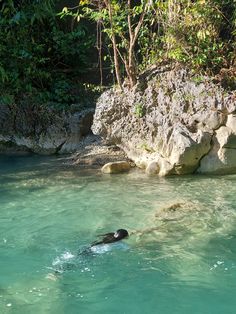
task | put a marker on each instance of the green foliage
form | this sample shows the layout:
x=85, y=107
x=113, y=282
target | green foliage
x=41, y=58
x=147, y=148
x=122, y=23
x=45, y=56
x=200, y=33
x=198, y=79
x=139, y=110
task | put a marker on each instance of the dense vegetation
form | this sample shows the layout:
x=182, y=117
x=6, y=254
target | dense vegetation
x=51, y=51
x=42, y=57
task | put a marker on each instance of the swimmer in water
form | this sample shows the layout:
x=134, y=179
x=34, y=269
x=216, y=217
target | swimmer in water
x=68, y=261
x=112, y=237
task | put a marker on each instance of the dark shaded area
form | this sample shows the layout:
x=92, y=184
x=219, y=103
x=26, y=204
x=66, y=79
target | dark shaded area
x=43, y=59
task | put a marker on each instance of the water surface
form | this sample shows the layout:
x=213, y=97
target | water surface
x=180, y=257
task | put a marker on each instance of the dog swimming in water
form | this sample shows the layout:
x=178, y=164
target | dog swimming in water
x=68, y=261
x=111, y=237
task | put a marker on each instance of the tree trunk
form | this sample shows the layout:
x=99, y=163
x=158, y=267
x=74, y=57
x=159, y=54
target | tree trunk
x=132, y=67
x=116, y=58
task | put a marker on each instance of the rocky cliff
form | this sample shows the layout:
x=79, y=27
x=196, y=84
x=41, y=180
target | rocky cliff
x=171, y=122
x=38, y=129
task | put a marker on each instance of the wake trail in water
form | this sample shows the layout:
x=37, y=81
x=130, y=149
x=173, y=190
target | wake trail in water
x=69, y=261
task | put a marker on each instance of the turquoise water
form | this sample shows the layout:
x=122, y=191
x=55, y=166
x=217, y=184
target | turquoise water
x=179, y=259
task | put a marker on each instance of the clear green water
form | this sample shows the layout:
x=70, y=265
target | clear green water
x=176, y=261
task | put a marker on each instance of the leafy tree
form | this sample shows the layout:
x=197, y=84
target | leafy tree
x=122, y=22
x=198, y=33
x=43, y=57
x=40, y=57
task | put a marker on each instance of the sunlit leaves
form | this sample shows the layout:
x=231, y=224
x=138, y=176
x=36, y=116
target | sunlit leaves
x=65, y=10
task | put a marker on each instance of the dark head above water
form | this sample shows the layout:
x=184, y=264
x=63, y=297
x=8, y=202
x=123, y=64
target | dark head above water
x=112, y=237
x=121, y=234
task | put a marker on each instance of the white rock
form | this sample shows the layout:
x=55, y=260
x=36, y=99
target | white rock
x=116, y=167
x=153, y=168
x=231, y=122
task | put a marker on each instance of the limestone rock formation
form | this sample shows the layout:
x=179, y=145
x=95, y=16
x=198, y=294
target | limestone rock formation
x=222, y=157
x=42, y=130
x=171, y=122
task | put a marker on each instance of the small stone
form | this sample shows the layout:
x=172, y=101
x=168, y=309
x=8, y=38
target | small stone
x=116, y=167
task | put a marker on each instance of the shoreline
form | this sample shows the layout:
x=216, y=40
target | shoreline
x=94, y=152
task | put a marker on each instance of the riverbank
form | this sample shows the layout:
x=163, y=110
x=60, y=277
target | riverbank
x=172, y=122
x=94, y=152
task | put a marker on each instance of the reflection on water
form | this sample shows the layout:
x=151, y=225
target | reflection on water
x=180, y=257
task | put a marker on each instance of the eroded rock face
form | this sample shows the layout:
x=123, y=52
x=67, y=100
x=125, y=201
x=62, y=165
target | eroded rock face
x=171, y=123
x=42, y=130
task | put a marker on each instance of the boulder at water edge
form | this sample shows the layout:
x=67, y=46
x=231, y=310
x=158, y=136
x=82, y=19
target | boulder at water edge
x=116, y=167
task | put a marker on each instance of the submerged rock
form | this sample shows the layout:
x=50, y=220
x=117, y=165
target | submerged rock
x=171, y=122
